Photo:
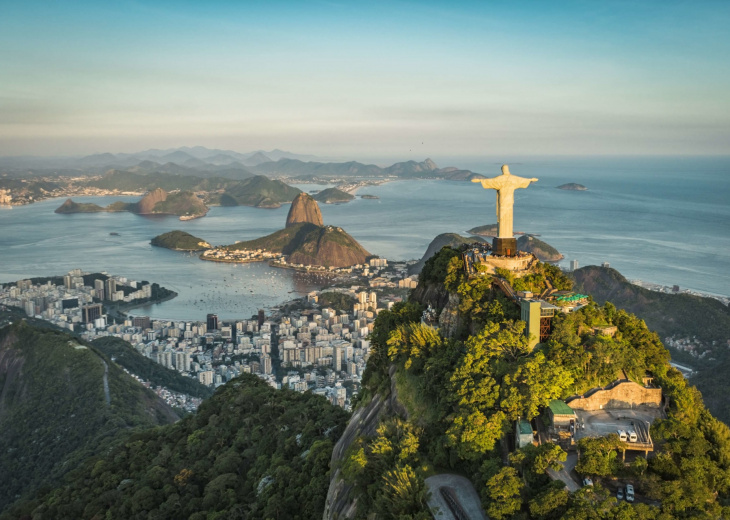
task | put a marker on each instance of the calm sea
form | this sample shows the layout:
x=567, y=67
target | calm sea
x=661, y=220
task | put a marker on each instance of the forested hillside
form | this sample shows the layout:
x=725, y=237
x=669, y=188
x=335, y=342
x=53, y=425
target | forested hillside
x=55, y=410
x=250, y=452
x=463, y=394
x=703, y=323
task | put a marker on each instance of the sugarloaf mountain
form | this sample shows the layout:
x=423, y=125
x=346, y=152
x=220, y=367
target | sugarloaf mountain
x=307, y=241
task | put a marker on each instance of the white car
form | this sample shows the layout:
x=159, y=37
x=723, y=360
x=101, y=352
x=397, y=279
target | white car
x=629, y=493
x=587, y=481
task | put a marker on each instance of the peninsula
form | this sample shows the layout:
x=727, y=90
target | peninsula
x=543, y=251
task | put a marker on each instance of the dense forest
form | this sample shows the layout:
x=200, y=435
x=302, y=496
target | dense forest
x=338, y=301
x=53, y=409
x=463, y=394
x=249, y=452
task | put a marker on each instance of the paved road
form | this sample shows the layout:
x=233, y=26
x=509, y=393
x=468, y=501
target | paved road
x=464, y=492
x=565, y=473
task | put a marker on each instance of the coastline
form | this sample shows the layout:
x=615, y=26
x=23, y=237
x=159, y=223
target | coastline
x=666, y=289
x=323, y=269
x=226, y=261
x=123, y=310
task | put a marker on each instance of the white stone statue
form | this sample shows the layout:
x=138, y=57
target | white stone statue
x=505, y=184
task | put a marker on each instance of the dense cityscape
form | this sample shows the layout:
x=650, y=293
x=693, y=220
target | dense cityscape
x=303, y=345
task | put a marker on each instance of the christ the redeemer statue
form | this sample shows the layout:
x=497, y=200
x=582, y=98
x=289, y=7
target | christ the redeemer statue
x=505, y=184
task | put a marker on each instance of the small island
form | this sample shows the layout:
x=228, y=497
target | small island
x=180, y=241
x=373, y=197
x=333, y=196
x=572, y=186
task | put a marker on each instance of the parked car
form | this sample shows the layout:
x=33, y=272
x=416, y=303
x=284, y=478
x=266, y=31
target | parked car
x=587, y=481
x=620, y=493
x=629, y=493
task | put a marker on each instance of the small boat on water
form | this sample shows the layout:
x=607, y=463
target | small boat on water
x=114, y=234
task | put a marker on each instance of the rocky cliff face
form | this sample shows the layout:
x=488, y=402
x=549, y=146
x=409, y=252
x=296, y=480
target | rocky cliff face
x=304, y=209
x=148, y=202
x=340, y=504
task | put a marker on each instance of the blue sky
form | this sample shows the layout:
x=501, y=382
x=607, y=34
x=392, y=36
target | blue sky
x=366, y=79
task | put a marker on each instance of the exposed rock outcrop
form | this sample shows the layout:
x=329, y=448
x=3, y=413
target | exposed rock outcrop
x=449, y=319
x=339, y=504
x=148, y=202
x=304, y=209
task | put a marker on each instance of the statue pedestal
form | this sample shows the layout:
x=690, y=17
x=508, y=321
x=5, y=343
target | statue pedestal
x=504, y=246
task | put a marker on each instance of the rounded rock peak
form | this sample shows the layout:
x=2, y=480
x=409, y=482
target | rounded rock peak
x=147, y=204
x=304, y=209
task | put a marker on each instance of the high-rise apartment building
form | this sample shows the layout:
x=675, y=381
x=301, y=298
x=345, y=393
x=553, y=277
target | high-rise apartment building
x=91, y=312
x=99, y=289
x=110, y=288
x=212, y=322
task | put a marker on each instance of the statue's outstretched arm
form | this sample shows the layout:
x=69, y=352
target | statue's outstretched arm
x=524, y=182
x=487, y=184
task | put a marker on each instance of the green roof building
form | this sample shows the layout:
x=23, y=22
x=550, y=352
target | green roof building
x=560, y=414
x=523, y=433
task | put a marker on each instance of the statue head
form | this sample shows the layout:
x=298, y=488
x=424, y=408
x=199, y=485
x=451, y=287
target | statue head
x=505, y=170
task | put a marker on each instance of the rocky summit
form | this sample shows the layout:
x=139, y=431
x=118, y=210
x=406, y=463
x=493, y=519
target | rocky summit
x=304, y=209
x=148, y=202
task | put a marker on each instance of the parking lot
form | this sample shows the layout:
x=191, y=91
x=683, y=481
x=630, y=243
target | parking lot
x=600, y=423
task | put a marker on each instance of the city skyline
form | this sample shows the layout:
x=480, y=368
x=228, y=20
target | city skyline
x=366, y=81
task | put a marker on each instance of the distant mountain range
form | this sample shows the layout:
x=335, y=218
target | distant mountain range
x=203, y=162
x=188, y=157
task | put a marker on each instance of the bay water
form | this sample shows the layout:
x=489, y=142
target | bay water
x=663, y=220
